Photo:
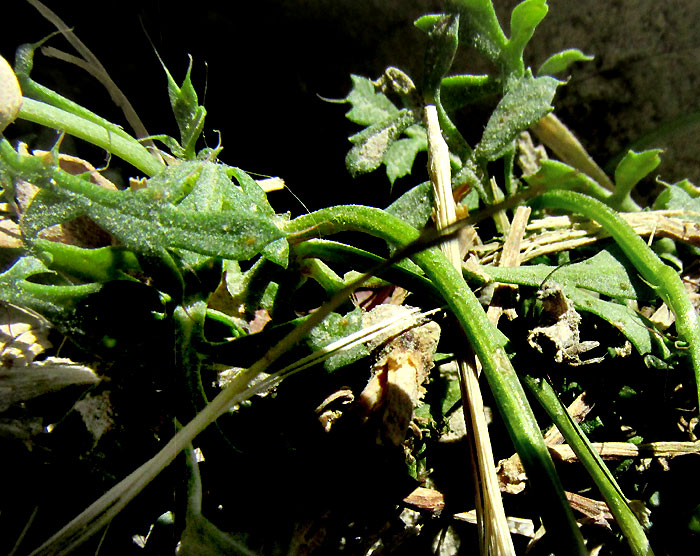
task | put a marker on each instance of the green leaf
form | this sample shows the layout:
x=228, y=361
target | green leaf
x=379, y=143
x=524, y=18
x=459, y=90
x=372, y=144
x=92, y=265
x=633, y=168
x=52, y=301
x=333, y=328
x=676, y=198
x=560, y=61
x=637, y=329
x=147, y=221
x=401, y=154
x=428, y=22
x=440, y=52
x=557, y=175
x=253, y=289
x=188, y=114
x=368, y=106
x=277, y=251
x=480, y=28
x=525, y=102
x=603, y=274
x=630, y=170
x=415, y=206
x=172, y=144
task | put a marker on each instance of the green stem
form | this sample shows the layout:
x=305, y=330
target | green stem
x=652, y=269
x=507, y=390
x=604, y=480
x=119, y=144
x=403, y=273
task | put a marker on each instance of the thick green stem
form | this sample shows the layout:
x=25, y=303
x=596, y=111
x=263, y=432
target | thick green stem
x=485, y=340
x=127, y=149
x=661, y=276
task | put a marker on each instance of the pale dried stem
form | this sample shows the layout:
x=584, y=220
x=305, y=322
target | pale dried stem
x=510, y=256
x=554, y=134
x=92, y=65
x=560, y=233
x=621, y=450
x=493, y=526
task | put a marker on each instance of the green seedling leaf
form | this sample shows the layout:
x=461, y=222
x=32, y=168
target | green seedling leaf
x=372, y=144
x=100, y=264
x=525, y=102
x=53, y=301
x=631, y=169
x=584, y=282
x=333, y=328
x=189, y=115
x=637, y=329
x=524, y=18
x=172, y=144
x=368, y=106
x=379, y=143
x=560, y=61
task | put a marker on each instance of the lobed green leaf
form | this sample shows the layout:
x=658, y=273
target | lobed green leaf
x=584, y=282
x=372, y=144
x=147, y=220
x=52, y=301
x=368, y=106
x=401, y=154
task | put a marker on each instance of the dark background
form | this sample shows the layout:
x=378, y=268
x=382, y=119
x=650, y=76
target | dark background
x=265, y=63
